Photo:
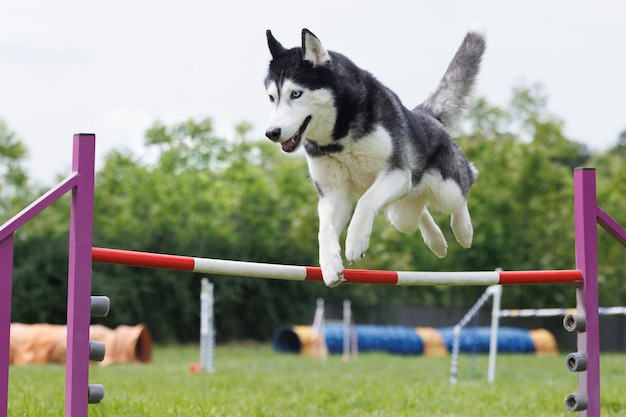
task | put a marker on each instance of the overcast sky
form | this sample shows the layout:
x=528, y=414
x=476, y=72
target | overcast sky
x=114, y=67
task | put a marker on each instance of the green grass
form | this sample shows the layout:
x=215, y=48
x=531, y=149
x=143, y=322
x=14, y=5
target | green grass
x=252, y=381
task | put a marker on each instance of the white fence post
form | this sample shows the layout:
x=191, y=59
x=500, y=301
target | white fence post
x=207, y=328
x=496, y=292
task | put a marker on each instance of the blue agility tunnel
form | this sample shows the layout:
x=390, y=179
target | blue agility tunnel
x=415, y=341
x=391, y=339
x=510, y=339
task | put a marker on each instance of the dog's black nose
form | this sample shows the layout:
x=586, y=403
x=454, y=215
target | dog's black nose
x=273, y=134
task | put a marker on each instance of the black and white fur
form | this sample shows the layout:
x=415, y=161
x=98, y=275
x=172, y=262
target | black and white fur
x=360, y=139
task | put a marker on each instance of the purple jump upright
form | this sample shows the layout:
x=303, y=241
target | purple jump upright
x=586, y=320
x=79, y=278
x=585, y=218
x=6, y=286
x=81, y=184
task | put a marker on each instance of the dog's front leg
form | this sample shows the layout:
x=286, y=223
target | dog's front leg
x=334, y=211
x=387, y=187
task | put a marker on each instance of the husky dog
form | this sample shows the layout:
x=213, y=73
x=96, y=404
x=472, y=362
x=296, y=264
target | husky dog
x=360, y=139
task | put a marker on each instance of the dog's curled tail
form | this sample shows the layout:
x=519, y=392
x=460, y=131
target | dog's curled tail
x=448, y=100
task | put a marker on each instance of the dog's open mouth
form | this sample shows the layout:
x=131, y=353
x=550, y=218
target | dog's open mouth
x=292, y=144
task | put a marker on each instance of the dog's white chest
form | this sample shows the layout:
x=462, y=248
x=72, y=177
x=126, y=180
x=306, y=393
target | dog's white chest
x=357, y=165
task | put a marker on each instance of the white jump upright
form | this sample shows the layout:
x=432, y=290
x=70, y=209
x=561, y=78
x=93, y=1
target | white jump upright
x=493, y=338
x=348, y=339
x=494, y=291
x=319, y=319
x=207, y=327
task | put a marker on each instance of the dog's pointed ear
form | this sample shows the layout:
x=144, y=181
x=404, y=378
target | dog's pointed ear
x=275, y=47
x=313, y=50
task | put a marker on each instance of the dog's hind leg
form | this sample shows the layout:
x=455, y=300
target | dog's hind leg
x=461, y=224
x=432, y=234
x=404, y=214
x=409, y=213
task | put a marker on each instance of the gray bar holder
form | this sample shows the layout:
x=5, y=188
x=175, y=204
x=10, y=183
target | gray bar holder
x=576, y=362
x=576, y=402
x=95, y=393
x=96, y=351
x=100, y=306
x=575, y=322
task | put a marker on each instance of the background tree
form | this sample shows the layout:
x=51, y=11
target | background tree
x=40, y=270
x=194, y=193
x=13, y=178
x=611, y=177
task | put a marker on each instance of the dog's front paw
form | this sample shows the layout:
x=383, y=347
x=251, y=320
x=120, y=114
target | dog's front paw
x=332, y=277
x=356, y=246
x=332, y=271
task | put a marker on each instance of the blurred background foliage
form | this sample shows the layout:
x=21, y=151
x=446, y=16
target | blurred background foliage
x=242, y=199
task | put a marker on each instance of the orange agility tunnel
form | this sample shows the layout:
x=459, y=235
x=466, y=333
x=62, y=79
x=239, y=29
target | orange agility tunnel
x=46, y=343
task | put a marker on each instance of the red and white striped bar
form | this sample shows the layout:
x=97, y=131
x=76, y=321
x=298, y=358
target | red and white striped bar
x=352, y=276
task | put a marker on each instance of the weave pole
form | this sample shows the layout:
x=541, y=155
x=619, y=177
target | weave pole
x=351, y=276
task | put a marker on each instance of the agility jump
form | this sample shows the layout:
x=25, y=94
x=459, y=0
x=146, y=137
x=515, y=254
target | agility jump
x=79, y=393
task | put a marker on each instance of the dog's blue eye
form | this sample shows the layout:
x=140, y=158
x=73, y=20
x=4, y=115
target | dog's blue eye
x=296, y=94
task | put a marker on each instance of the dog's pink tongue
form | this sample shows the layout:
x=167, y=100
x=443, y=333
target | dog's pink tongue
x=288, y=145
